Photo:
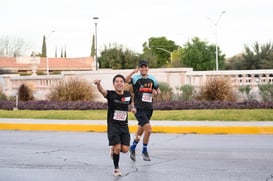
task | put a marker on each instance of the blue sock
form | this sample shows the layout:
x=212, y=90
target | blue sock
x=144, y=148
x=133, y=147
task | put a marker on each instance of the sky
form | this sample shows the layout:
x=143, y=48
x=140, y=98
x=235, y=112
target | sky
x=130, y=23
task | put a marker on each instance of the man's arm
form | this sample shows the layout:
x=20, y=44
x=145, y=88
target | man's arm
x=128, y=77
x=133, y=109
x=100, y=88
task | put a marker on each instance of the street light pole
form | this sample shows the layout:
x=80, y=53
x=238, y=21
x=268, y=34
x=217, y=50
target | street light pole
x=47, y=65
x=96, y=42
x=171, y=54
x=216, y=39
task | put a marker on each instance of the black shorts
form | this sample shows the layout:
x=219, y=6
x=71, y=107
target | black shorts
x=118, y=135
x=143, y=116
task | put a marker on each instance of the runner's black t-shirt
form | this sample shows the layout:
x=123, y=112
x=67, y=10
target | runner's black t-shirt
x=118, y=107
x=143, y=89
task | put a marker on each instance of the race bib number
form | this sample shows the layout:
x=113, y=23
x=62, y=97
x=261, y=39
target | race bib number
x=120, y=115
x=147, y=97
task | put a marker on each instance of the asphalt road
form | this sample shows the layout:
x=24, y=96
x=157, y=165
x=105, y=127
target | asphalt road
x=80, y=156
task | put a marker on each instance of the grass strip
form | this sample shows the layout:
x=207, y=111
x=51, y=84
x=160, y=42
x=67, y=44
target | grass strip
x=177, y=115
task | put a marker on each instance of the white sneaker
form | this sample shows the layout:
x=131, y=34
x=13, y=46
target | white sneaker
x=111, y=152
x=116, y=172
x=146, y=156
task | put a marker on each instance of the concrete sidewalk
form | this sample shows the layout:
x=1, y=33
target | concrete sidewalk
x=183, y=127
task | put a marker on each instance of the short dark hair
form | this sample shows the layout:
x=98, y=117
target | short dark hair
x=118, y=75
x=142, y=62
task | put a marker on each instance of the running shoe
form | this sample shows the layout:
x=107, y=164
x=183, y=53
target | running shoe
x=133, y=154
x=116, y=172
x=111, y=152
x=145, y=156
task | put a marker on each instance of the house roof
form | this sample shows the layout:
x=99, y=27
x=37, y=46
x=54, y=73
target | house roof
x=24, y=63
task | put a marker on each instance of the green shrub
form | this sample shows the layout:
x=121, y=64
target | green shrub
x=25, y=93
x=3, y=97
x=187, y=92
x=245, y=89
x=56, y=72
x=40, y=72
x=166, y=92
x=4, y=71
x=72, y=89
x=266, y=91
x=217, y=88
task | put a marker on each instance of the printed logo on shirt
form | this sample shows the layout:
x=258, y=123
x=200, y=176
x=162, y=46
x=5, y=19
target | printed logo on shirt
x=125, y=99
x=147, y=87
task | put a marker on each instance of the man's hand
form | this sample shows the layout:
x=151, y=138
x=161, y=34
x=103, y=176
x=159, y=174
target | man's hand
x=135, y=70
x=97, y=82
x=156, y=92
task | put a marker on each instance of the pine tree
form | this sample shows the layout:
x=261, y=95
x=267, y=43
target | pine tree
x=93, y=50
x=56, y=54
x=65, y=51
x=62, y=53
x=44, y=47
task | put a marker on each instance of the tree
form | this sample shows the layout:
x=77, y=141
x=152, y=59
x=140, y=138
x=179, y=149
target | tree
x=200, y=55
x=62, y=53
x=260, y=58
x=56, y=52
x=25, y=93
x=255, y=57
x=150, y=57
x=93, y=50
x=160, y=47
x=65, y=51
x=116, y=58
x=44, y=47
x=235, y=63
x=177, y=58
x=12, y=46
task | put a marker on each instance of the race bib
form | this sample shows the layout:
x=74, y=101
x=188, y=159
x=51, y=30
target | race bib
x=120, y=115
x=147, y=97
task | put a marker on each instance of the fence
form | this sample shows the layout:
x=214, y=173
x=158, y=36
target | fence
x=175, y=77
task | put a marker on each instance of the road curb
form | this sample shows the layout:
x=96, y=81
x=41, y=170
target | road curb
x=178, y=129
